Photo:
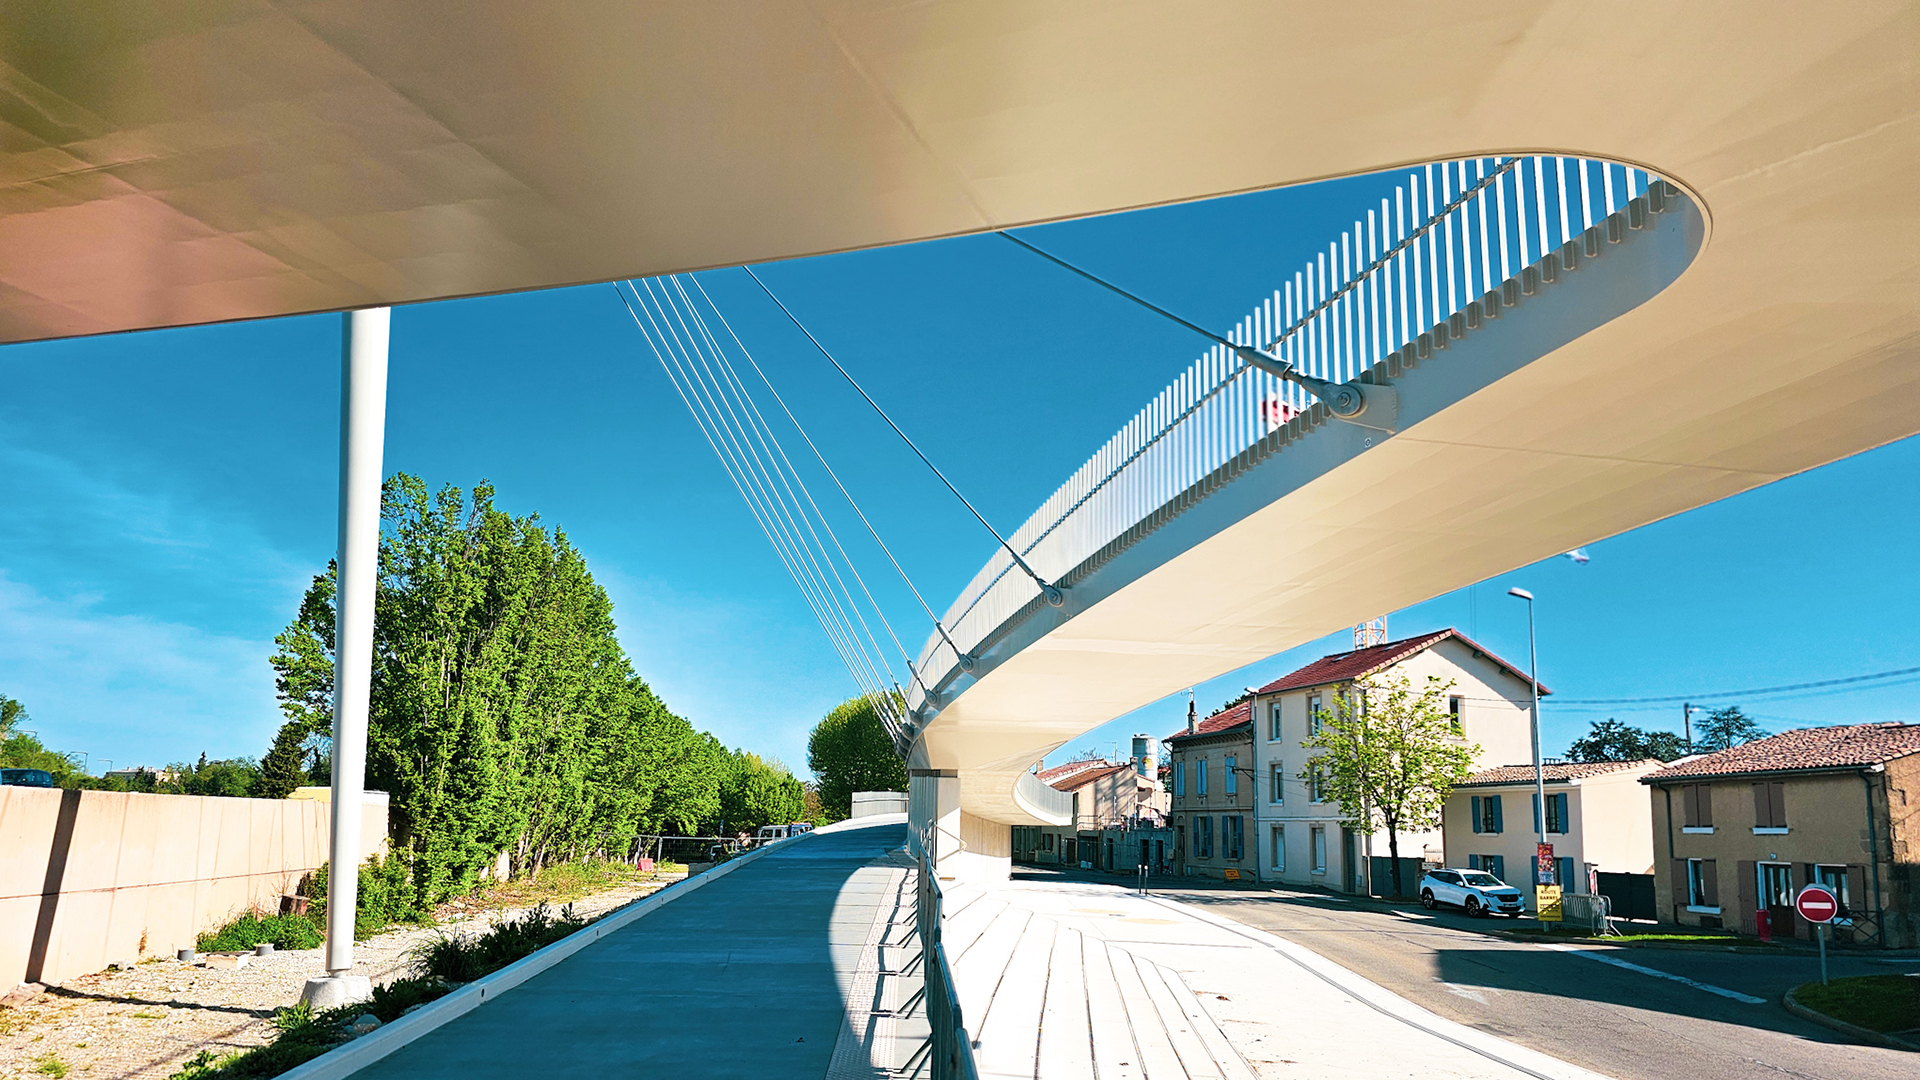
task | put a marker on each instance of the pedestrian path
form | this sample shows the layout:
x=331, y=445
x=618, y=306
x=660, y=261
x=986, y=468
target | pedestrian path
x=799, y=964
x=1065, y=980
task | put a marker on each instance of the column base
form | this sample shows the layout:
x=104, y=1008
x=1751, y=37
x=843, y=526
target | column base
x=333, y=991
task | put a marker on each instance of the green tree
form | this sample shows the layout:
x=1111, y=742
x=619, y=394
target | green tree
x=851, y=751
x=12, y=715
x=283, y=769
x=758, y=792
x=1725, y=728
x=1611, y=740
x=1389, y=755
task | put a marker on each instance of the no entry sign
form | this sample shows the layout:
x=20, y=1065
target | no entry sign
x=1817, y=904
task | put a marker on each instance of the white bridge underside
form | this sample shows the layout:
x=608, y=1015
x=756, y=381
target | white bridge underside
x=247, y=159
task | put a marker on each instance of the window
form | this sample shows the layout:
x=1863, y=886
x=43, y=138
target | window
x=1776, y=885
x=1835, y=879
x=1319, y=850
x=1703, y=884
x=1696, y=802
x=1486, y=814
x=1457, y=712
x=1563, y=875
x=1231, y=775
x=1203, y=836
x=1316, y=785
x=1279, y=778
x=1770, y=805
x=1313, y=715
x=1232, y=837
x=1273, y=723
x=1200, y=778
x=1556, y=812
x=1180, y=780
x=1492, y=864
x=1278, y=860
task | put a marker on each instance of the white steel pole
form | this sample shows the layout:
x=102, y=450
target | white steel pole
x=363, y=409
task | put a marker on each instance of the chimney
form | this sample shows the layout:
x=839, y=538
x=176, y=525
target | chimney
x=1193, y=717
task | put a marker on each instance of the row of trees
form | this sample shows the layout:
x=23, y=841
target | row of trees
x=504, y=714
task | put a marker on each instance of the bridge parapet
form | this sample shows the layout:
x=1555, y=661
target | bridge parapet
x=1457, y=244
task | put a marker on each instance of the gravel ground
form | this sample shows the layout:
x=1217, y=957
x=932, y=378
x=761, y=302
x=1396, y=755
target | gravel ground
x=147, y=1021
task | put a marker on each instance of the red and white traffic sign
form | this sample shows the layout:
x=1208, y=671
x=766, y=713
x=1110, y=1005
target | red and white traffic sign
x=1817, y=904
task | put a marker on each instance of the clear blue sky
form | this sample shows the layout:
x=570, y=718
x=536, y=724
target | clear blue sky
x=168, y=495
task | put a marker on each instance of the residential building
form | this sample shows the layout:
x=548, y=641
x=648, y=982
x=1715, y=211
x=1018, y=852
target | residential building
x=1301, y=839
x=1112, y=801
x=1213, y=795
x=1598, y=820
x=1740, y=832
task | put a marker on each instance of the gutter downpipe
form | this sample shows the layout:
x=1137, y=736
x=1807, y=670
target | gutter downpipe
x=1873, y=845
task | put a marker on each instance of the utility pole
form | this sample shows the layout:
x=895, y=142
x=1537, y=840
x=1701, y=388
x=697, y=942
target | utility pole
x=1686, y=720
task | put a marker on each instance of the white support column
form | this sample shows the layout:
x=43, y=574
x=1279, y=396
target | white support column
x=363, y=408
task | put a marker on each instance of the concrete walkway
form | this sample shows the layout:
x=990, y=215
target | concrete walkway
x=783, y=968
x=1067, y=979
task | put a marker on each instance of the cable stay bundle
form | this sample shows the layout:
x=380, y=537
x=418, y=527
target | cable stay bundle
x=678, y=326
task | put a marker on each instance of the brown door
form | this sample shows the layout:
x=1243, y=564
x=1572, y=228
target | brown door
x=1749, y=896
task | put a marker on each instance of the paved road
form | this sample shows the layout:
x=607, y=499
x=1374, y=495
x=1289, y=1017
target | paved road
x=741, y=978
x=1624, y=1023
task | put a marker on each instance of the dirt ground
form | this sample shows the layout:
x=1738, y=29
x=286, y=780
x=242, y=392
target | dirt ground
x=146, y=1021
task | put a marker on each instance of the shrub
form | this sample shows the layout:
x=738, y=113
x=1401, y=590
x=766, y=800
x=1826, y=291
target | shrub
x=464, y=959
x=253, y=928
x=385, y=896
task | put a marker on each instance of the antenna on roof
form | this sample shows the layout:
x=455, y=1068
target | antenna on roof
x=1193, y=715
x=1370, y=633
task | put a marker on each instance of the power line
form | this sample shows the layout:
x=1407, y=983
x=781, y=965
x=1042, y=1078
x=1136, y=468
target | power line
x=1053, y=592
x=1673, y=698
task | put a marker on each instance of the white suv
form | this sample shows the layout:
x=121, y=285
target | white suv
x=1479, y=892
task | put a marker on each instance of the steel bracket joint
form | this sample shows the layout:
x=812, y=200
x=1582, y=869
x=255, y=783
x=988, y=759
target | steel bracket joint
x=1344, y=401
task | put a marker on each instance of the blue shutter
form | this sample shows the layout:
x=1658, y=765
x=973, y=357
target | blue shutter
x=1498, y=824
x=1473, y=862
x=1566, y=875
x=1476, y=813
x=1496, y=865
x=1561, y=824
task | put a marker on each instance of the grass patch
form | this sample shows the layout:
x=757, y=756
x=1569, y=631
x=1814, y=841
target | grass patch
x=1695, y=938
x=443, y=963
x=51, y=1065
x=1886, y=1003
x=143, y=1014
x=560, y=884
x=254, y=928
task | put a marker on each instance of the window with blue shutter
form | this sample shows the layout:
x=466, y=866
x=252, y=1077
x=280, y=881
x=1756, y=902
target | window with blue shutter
x=1565, y=869
x=1473, y=862
x=1557, y=812
x=1499, y=825
x=1495, y=865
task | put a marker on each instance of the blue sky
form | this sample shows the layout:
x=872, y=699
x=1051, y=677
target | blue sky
x=169, y=494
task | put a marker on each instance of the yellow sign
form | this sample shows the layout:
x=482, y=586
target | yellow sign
x=1232, y=874
x=1546, y=899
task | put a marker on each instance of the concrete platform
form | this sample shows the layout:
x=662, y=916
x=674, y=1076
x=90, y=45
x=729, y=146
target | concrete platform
x=760, y=973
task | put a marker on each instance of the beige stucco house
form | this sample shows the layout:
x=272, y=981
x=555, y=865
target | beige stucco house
x=1109, y=797
x=1598, y=818
x=1740, y=832
x=1213, y=795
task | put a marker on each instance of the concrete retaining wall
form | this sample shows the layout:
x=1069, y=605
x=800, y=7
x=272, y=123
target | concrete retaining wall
x=90, y=877
x=869, y=803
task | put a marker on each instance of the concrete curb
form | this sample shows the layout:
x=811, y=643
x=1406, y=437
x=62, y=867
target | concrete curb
x=351, y=1057
x=1512, y=1055
x=1852, y=1031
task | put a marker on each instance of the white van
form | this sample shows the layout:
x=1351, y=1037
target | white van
x=770, y=834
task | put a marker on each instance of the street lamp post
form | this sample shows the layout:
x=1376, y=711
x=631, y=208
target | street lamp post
x=1533, y=724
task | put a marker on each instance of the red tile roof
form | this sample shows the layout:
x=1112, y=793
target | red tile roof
x=1100, y=771
x=1360, y=663
x=1562, y=772
x=1218, y=722
x=1060, y=772
x=1847, y=746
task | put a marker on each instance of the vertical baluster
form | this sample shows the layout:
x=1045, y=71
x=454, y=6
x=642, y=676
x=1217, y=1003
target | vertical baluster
x=1399, y=234
x=1465, y=216
x=1633, y=183
x=1586, y=194
x=1486, y=244
x=1606, y=173
x=1320, y=355
x=1370, y=287
x=1292, y=351
x=1433, y=247
x=1520, y=212
x=1540, y=201
x=1446, y=226
x=1560, y=180
x=1500, y=214
x=1420, y=284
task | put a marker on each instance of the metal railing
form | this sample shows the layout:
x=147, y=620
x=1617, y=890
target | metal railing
x=950, y=1049
x=1454, y=243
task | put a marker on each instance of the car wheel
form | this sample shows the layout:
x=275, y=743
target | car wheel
x=1473, y=908
x=1427, y=901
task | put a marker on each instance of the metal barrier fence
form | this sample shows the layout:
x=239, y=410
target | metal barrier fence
x=1454, y=243
x=951, y=1050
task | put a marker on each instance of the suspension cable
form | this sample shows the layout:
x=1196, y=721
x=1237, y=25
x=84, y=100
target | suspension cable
x=1053, y=593
x=820, y=457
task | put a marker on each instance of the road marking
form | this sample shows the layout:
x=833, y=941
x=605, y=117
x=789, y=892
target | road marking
x=1592, y=954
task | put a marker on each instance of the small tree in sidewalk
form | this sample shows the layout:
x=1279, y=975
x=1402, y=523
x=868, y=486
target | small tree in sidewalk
x=1389, y=755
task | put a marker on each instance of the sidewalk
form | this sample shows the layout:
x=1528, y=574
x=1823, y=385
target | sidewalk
x=1076, y=979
